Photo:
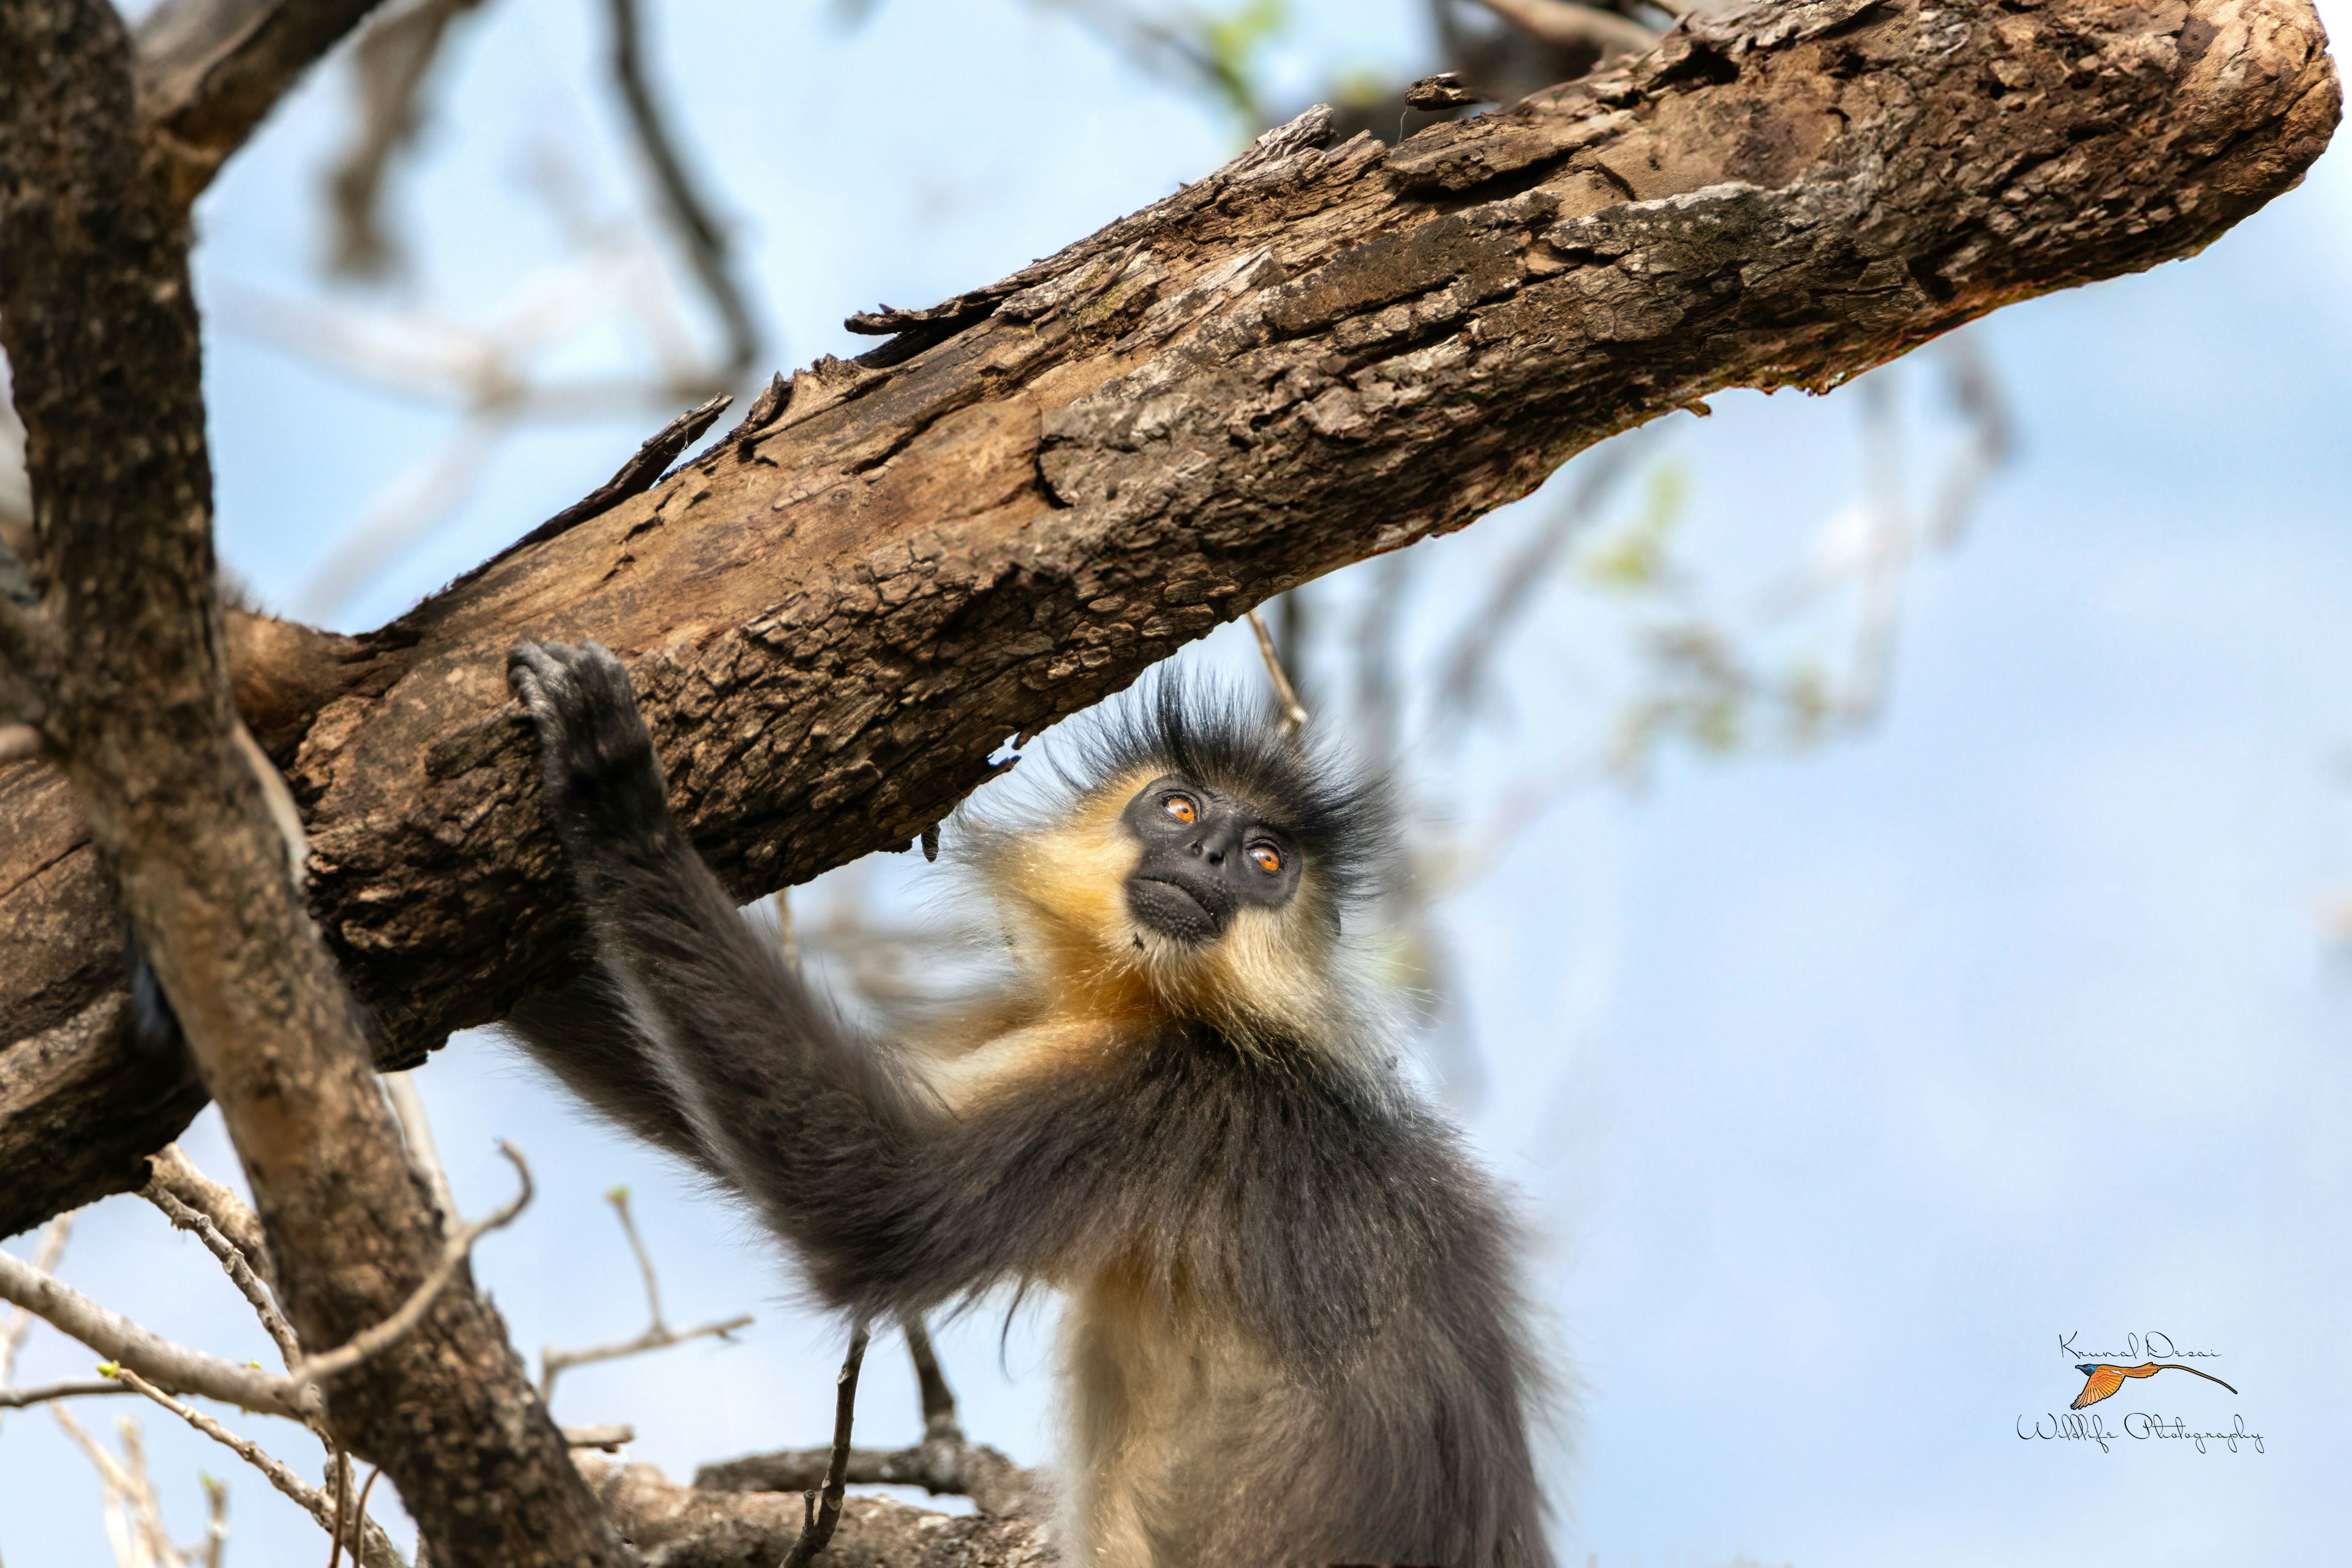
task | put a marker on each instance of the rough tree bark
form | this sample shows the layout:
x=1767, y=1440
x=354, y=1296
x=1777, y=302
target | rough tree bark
x=699, y=1527
x=128, y=661
x=1041, y=487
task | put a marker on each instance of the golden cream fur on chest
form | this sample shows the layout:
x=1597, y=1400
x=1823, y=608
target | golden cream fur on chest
x=1148, y=1387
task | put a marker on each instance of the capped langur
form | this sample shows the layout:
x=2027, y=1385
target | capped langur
x=1292, y=1332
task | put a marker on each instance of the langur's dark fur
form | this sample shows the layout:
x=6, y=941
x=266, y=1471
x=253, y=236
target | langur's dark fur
x=1293, y=1335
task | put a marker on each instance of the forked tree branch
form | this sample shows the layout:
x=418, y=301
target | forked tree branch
x=240, y=1272
x=172, y=1174
x=1043, y=486
x=97, y=309
x=376, y=1549
x=658, y=1335
x=209, y=71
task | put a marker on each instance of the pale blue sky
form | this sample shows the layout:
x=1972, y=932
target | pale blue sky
x=1838, y=1085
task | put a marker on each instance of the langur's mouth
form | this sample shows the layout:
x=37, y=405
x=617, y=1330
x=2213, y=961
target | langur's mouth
x=1170, y=908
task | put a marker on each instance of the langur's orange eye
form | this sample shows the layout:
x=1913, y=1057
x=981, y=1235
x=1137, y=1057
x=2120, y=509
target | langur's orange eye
x=1180, y=807
x=1267, y=859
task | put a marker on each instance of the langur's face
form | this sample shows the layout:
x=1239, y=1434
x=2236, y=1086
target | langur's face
x=1206, y=856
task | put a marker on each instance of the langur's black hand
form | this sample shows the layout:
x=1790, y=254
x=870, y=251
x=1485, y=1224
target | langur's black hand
x=601, y=781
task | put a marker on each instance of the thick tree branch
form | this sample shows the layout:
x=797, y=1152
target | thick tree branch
x=676, y=1526
x=377, y=1338
x=1040, y=488
x=941, y=1466
x=209, y=71
x=98, y=322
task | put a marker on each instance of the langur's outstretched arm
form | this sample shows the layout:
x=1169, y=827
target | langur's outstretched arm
x=581, y=1032
x=692, y=1021
x=709, y=1044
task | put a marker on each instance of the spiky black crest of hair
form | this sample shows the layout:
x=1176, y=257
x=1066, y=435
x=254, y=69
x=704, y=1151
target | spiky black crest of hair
x=1340, y=814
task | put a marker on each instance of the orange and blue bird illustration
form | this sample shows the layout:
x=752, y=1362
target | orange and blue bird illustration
x=2104, y=1379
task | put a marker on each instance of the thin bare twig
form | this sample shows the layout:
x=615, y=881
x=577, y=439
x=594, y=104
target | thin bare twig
x=339, y=1465
x=824, y=1508
x=417, y=1131
x=1564, y=26
x=46, y=1393
x=658, y=1335
x=942, y=1463
x=359, y=1510
x=379, y=1553
x=173, y=1172
x=1533, y=567
x=619, y=1199
x=119, y=1340
x=1975, y=393
x=390, y=64
x=1286, y=696
x=311, y=1370
x=46, y=1254
x=144, y=1504
x=701, y=235
x=134, y=1523
x=216, y=1517
x=233, y=1262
